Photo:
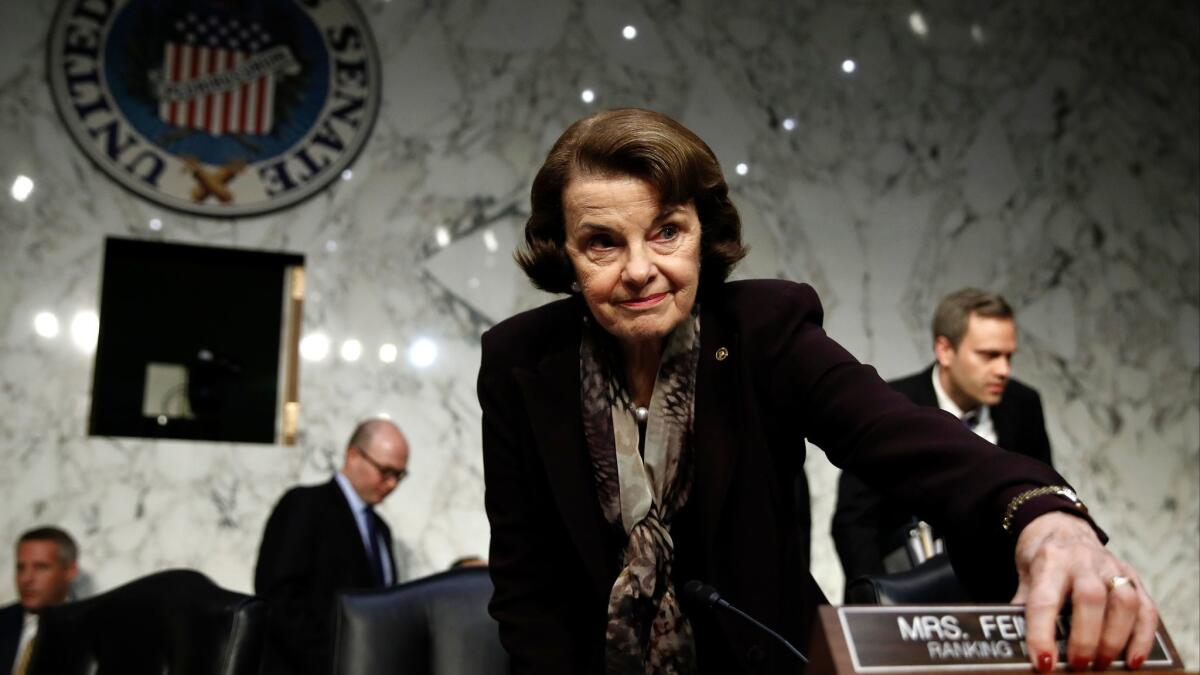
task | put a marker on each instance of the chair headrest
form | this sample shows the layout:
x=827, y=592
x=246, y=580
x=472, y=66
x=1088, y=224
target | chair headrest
x=933, y=581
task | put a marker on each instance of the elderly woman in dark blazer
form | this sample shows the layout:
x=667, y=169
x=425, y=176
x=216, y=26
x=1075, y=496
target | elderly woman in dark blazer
x=645, y=431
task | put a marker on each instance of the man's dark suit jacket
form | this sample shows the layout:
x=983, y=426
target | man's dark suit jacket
x=778, y=380
x=311, y=550
x=867, y=525
x=12, y=620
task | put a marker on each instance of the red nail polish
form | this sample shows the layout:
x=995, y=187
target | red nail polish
x=1045, y=662
x=1079, y=663
x=1101, y=663
x=1136, y=662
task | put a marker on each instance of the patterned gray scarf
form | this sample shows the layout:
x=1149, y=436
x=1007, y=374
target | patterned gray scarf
x=647, y=632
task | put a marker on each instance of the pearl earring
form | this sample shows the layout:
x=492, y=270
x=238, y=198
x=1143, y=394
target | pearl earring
x=575, y=287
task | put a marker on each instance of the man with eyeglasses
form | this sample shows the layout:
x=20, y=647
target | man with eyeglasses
x=324, y=539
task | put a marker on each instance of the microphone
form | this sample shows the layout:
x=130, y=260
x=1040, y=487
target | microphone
x=708, y=596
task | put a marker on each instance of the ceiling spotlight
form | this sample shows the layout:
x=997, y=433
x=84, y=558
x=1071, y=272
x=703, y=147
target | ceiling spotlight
x=742, y=169
x=442, y=235
x=490, y=242
x=587, y=96
x=629, y=32
x=917, y=23
x=22, y=187
x=849, y=66
x=789, y=124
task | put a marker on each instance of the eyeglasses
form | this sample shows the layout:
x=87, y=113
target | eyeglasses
x=384, y=471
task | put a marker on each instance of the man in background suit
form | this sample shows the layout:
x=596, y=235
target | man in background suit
x=46, y=566
x=324, y=539
x=974, y=339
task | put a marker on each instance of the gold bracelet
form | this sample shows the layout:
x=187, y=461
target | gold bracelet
x=1058, y=490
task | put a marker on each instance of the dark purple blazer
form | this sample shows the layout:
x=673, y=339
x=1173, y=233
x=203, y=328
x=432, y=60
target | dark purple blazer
x=554, y=558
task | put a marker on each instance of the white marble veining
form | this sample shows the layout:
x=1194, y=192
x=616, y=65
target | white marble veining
x=1045, y=150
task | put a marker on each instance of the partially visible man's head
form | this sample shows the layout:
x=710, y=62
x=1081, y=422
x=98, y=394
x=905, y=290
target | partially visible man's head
x=376, y=459
x=46, y=566
x=974, y=339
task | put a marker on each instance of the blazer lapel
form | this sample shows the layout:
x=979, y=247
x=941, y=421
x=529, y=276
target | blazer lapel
x=927, y=396
x=552, y=401
x=715, y=440
x=1002, y=422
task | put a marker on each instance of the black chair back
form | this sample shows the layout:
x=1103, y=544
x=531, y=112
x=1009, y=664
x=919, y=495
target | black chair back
x=176, y=622
x=933, y=582
x=437, y=625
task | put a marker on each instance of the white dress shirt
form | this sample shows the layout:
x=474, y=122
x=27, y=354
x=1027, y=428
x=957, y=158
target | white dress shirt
x=984, y=427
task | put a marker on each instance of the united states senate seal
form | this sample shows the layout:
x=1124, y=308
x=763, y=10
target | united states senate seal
x=216, y=107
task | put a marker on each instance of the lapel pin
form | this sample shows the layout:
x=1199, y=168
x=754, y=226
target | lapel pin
x=722, y=354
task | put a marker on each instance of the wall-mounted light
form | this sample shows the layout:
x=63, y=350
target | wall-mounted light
x=351, y=350
x=314, y=347
x=46, y=324
x=422, y=353
x=85, y=328
x=388, y=352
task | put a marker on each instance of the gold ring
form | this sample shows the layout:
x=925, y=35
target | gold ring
x=1118, y=580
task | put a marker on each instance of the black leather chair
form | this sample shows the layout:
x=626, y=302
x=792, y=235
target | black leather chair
x=176, y=622
x=932, y=582
x=437, y=625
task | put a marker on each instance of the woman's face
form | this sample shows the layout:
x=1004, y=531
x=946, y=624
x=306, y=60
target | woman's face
x=637, y=260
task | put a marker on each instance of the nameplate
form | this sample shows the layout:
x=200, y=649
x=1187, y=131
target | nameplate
x=912, y=638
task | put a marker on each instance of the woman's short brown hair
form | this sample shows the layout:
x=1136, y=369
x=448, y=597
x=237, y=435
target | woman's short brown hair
x=646, y=145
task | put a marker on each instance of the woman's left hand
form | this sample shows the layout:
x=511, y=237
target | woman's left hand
x=1059, y=556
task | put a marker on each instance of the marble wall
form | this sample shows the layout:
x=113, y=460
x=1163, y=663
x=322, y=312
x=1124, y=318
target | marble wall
x=1046, y=150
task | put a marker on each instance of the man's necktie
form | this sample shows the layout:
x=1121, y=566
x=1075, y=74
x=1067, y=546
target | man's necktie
x=374, y=559
x=971, y=419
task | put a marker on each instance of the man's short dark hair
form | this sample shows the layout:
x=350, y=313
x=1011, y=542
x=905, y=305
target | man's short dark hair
x=955, y=310
x=646, y=145
x=68, y=551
